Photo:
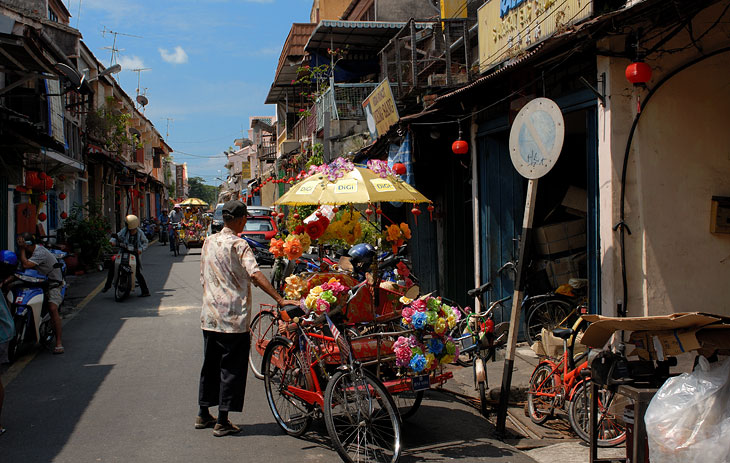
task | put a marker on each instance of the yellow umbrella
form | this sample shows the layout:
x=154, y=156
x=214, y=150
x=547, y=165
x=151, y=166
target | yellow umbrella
x=359, y=186
x=193, y=202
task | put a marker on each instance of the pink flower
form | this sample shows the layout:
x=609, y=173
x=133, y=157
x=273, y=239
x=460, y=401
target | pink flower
x=419, y=305
x=407, y=313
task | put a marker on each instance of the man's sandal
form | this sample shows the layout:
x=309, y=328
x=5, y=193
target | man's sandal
x=58, y=350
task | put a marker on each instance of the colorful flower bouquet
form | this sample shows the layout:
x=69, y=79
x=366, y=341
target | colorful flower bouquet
x=397, y=235
x=323, y=297
x=429, y=346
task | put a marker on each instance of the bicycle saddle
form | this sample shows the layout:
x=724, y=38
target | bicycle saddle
x=476, y=292
x=562, y=333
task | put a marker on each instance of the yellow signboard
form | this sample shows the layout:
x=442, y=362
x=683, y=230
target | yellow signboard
x=307, y=188
x=245, y=169
x=382, y=185
x=380, y=110
x=453, y=9
x=508, y=27
x=346, y=186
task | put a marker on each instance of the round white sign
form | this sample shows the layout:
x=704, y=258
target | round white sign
x=536, y=138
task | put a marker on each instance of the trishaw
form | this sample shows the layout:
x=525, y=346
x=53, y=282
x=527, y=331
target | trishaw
x=358, y=353
x=195, y=225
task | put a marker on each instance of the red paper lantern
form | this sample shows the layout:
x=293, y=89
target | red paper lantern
x=281, y=215
x=42, y=176
x=378, y=211
x=399, y=168
x=32, y=180
x=291, y=179
x=460, y=147
x=368, y=211
x=430, y=210
x=273, y=213
x=43, y=197
x=335, y=209
x=296, y=215
x=62, y=196
x=42, y=217
x=638, y=72
x=64, y=215
x=318, y=214
x=62, y=177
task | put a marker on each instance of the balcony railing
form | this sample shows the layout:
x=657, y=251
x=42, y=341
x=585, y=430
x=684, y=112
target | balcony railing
x=267, y=151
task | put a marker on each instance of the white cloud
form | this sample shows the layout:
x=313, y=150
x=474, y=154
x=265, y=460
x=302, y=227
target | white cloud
x=177, y=57
x=128, y=63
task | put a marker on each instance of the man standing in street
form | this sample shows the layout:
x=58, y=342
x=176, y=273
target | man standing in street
x=227, y=268
x=43, y=260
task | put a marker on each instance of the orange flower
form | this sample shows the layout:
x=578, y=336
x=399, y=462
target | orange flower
x=393, y=233
x=276, y=247
x=293, y=249
x=406, y=230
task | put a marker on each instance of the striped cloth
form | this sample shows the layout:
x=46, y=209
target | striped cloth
x=339, y=339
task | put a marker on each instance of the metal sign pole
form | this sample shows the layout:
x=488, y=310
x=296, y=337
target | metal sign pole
x=514, y=324
x=535, y=141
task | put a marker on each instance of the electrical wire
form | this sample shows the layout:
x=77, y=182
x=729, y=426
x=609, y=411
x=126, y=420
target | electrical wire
x=217, y=156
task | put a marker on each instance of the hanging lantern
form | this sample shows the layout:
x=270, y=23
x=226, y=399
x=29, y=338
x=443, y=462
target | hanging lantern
x=460, y=146
x=368, y=211
x=378, y=211
x=42, y=175
x=430, y=210
x=296, y=215
x=281, y=215
x=42, y=217
x=318, y=213
x=335, y=209
x=273, y=213
x=416, y=212
x=399, y=168
x=62, y=196
x=43, y=197
x=20, y=188
x=291, y=179
x=62, y=177
x=32, y=180
x=638, y=73
x=64, y=215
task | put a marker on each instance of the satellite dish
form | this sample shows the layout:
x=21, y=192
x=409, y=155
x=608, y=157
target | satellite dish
x=134, y=131
x=111, y=70
x=71, y=74
x=141, y=99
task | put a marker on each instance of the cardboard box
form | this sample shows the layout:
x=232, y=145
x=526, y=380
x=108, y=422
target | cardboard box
x=575, y=201
x=561, y=238
x=559, y=271
x=660, y=336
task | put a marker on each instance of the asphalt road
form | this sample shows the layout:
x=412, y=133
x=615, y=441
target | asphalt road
x=126, y=390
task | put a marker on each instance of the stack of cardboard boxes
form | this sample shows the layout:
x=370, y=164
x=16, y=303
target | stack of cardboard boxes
x=562, y=246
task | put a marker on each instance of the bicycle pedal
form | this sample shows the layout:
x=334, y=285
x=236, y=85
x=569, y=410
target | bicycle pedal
x=297, y=418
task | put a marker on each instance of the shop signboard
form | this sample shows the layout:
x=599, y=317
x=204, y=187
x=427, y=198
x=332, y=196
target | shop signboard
x=245, y=169
x=179, y=185
x=380, y=110
x=509, y=27
x=453, y=9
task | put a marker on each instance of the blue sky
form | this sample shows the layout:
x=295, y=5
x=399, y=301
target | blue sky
x=212, y=64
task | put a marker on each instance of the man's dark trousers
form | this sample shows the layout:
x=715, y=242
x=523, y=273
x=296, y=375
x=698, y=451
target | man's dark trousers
x=225, y=367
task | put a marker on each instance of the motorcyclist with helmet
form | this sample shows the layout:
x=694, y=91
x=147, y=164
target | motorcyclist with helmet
x=126, y=236
x=176, y=217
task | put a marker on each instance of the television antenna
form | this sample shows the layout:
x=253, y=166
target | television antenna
x=115, y=51
x=167, y=131
x=139, y=74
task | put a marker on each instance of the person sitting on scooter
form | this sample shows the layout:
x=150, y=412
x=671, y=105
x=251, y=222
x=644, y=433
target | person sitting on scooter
x=164, y=220
x=45, y=262
x=126, y=236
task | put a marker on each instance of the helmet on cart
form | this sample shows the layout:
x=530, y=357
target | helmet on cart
x=360, y=253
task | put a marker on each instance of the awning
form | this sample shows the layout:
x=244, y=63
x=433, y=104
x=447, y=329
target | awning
x=357, y=36
x=292, y=54
x=20, y=54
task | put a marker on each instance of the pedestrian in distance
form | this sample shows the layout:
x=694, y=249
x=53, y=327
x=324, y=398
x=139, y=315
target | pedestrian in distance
x=126, y=236
x=227, y=269
x=43, y=260
x=176, y=216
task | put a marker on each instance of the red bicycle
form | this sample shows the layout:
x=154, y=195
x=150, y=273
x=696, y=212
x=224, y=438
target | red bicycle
x=554, y=385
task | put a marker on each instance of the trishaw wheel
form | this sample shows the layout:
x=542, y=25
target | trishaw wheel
x=611, y=429
x=263, y=329
x=408, y=403
x=542, y=394
x=283, y=368
x=361, y=418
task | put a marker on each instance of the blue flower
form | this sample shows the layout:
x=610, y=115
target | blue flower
x=435, y=346
x=418, y=320
x=418, y=363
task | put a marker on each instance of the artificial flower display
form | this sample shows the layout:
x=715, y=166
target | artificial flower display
x=295, y=287
x=323, y=297
x=346, y=228
x=316, y=228
x=396, y=235
x=276, y=247
x=293, y=247
x=429, y=346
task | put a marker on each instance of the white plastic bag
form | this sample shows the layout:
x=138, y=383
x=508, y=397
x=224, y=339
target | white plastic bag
x=688, y=420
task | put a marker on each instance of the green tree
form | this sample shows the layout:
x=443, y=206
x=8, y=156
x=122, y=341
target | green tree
x=198, y=189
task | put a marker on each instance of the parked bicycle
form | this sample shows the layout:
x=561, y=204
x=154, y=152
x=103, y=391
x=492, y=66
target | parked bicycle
x=479, y=341
x=563, y=385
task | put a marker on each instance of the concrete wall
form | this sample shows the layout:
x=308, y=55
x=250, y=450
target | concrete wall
x=403, y=10
x=327, y=9
x=679, y=159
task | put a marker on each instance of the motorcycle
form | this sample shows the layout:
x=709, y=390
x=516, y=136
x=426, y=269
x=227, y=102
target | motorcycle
x=29, y=307
x=125, y=271
x=260, y=250
x=150, y=229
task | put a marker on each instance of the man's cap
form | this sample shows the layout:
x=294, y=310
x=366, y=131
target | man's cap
x=234, y=208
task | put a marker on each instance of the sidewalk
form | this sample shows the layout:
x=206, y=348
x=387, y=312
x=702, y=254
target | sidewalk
x=551, y=442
